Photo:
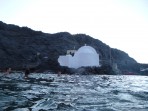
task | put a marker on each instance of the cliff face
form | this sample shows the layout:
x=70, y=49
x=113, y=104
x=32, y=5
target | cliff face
x=22, y=47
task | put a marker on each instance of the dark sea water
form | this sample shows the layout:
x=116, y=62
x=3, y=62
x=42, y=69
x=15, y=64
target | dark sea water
x=73, y=93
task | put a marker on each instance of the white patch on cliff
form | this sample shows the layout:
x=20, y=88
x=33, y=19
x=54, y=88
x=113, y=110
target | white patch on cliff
x=85, y=56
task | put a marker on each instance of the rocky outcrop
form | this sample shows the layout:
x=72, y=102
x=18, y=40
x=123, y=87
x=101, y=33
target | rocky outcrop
x=22, y=47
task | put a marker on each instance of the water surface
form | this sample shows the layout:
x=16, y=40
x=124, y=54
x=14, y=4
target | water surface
x=73, y=93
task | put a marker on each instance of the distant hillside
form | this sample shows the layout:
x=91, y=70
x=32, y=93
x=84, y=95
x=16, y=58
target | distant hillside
x=21, y=47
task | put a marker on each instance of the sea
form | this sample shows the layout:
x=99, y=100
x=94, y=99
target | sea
x=64, y=92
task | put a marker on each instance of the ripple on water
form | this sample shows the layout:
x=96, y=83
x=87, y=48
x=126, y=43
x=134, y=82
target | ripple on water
x=74, y=93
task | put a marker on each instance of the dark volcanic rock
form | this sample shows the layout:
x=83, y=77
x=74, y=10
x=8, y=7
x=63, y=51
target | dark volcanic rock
x=22, y=47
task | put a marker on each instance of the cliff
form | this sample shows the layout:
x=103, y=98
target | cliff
x=22, y=47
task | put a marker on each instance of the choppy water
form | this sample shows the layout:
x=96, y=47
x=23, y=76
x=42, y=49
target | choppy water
x=73, y=93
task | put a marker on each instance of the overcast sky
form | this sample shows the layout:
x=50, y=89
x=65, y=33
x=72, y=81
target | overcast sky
x=122, y=24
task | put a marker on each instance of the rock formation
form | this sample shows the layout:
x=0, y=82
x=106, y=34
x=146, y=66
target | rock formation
x=22, y=47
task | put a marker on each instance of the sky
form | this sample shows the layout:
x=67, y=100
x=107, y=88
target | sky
x=121, y=24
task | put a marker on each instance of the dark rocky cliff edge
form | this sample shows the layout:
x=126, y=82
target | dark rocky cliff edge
x=22, y=47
